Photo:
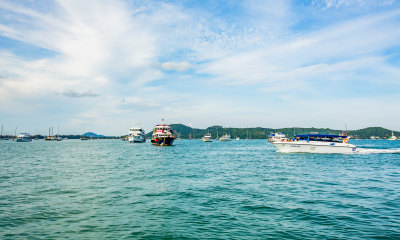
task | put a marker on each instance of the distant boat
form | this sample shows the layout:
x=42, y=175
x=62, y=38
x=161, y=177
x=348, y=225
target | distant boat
x=136, y=135
x=237, y=138
x=207, y=138
x=225, y=138
x=163, y=135
x=1, y=135
x=247, y=137
x=50, y=137
x=84, y=138
x=274, y=137
x=393, y=137
x=23, y=137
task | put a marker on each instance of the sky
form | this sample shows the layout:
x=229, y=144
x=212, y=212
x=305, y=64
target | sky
x=107, y=65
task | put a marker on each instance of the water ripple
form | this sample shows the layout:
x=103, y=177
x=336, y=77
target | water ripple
x=109, y=189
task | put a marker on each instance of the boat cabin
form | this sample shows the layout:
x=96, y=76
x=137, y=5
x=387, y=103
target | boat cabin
x=320, y=137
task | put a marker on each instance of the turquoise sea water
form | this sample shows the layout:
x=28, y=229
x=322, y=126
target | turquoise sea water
x=110, y=189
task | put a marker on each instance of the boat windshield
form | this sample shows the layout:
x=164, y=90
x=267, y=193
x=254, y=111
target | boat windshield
x=321, y=138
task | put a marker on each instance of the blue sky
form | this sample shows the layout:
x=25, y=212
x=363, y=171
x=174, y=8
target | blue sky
x=106, y=65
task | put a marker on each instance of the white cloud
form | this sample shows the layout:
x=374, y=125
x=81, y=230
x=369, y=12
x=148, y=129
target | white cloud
x=357, y=3
x=340, y=48
x=72, y=93
x=176, y=66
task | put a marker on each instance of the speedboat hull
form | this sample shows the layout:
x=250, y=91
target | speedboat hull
x=314, y=147
x=225, y=139
x=167, y=141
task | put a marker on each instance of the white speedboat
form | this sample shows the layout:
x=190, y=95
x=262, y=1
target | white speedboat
x=275, y=137
x=23, y=137
x=136, y=135
x=316, y=143
x=225, y=137
x=207, y=138
x=163, y=135
x=393, y=137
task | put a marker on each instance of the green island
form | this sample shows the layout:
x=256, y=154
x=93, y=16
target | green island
x=184, y=132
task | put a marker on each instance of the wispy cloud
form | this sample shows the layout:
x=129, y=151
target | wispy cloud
x=74, y=94
x=176, y=66
x=326, y=54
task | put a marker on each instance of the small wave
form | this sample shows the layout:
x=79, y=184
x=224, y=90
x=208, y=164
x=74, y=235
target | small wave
x=370, y=150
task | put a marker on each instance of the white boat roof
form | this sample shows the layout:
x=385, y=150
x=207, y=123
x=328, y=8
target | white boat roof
x=136, y=128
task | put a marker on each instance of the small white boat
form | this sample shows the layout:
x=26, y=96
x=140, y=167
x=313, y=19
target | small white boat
x=207, y=138
x=237, y=138
x=316, y=143
x=276, y=137
x=23, y=137
x=136, y=135
x=225, y=137
x=393, y=137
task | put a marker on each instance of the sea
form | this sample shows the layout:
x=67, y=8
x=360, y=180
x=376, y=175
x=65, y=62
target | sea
x=112, y=189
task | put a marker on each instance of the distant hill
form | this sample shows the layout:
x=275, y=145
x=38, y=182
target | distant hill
x=183, y=131
x=93, y=135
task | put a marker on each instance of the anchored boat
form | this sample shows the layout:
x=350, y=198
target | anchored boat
x=276, y=137
x=23, y=137
x=163, y=135
x=393, y=137
x=136, y=135
x=207, y=138
x=316, y=143
x=225, y=138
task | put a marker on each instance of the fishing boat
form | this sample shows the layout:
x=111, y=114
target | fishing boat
x=393, y=137
x=163, y=135
x=316, y=143
x=225, y=138
x=275, y=137
x=207, y=138
x=136, y=135
x=23, y=137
